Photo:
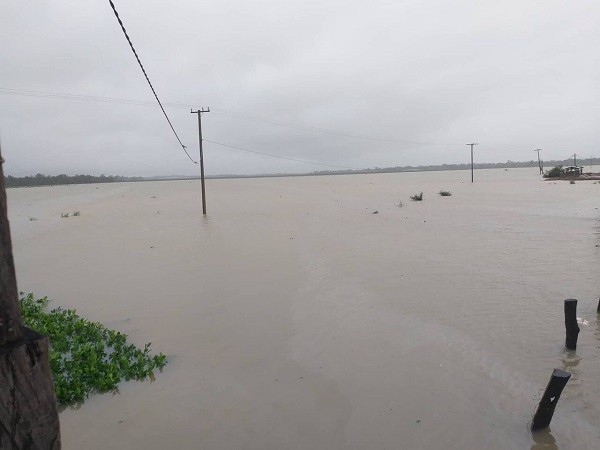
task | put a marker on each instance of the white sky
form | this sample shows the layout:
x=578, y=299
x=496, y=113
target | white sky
x=511, y=75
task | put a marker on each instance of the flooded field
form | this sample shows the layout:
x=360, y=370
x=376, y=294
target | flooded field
x=295, y=317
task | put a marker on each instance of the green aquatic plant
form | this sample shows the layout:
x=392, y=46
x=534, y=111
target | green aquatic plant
x=417, y=197
x=555, y=172
x=445, y=193
x=85, y=356
x=64, y=215
x=76, y=213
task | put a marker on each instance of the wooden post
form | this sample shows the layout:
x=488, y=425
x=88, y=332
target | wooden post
x=28, y=411
x=598, y=309
x=199, y=112
x=545, y=410
x=571, y=323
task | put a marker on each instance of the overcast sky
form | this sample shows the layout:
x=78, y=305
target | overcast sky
x=425, y=76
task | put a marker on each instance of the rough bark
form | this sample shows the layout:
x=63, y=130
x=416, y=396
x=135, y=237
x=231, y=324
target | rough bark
x=10, y=317
x=28, y=410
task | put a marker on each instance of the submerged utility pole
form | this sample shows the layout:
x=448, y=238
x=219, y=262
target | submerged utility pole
x=199, y=112
x=472, y=144
x=539, y=160
x=575, y=159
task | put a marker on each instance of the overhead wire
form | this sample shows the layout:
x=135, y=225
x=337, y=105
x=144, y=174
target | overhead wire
x=238, y=115
x=220, y=111
x=112, y=5
x=234, y=114
x=278, y=156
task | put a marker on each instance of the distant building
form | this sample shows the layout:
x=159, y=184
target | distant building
x=573, y=171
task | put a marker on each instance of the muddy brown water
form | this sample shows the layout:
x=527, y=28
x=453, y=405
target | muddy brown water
x=294, y=317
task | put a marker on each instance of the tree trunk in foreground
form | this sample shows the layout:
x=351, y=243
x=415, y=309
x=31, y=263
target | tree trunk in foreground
x=28, y=410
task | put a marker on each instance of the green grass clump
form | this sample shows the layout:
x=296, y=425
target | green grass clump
x=417, y=197
x=445, y=193
x=76, y=213
x=555, y=172
x=86, y=356
x=64, y=215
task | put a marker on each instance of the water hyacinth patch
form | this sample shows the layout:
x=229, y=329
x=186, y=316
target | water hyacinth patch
x=85, y=356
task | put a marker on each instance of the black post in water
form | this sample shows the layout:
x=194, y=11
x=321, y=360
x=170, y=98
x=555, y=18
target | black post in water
x=199, y=112
x=571, y=323
x=598, y=309
x=545, y=410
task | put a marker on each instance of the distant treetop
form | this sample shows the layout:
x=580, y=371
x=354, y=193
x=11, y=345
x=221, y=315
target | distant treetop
x=54, y=180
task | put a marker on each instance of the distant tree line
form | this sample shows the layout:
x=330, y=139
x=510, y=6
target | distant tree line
x=501, y=165
x=51, y=180
x=54, y=180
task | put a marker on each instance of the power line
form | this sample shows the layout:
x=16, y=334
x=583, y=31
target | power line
x=225, y=112
x=280, y=157
x=238, y=115
x=112, y=5
x=78, y=97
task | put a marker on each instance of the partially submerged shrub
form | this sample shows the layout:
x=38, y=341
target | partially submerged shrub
x=64, y=215
x=417, y=197
x=86, y=356
x=571, y=181
x=555, y=172
x=76, y=213
x=445, y=193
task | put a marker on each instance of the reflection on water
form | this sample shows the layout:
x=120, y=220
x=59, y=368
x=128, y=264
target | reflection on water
x=74, y=407
x=570, y=361
x=543, y=439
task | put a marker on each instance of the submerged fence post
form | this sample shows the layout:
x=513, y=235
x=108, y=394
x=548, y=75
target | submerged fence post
x=598, y=309
x=571, y=323
x=545, y=410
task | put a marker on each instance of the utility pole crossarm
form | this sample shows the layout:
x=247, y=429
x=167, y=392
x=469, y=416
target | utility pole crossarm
x=199, y=112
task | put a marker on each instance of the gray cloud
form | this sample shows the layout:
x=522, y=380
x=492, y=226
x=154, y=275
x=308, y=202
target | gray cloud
x=512, y=75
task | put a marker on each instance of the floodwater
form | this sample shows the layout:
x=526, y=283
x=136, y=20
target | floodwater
x=295, y=318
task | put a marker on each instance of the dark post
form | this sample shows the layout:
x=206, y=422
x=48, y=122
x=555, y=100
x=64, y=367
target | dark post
x=598, y=309
x=545, y=410
x=571, y=323
x=199, y=112
x=28, y=411
x=472, y=144
x=539, y=160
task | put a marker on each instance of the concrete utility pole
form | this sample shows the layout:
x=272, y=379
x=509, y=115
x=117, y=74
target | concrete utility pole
x=539, y=160
x=472, y=144
x=28, y=411
x=199, y=112
x=575, y=159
